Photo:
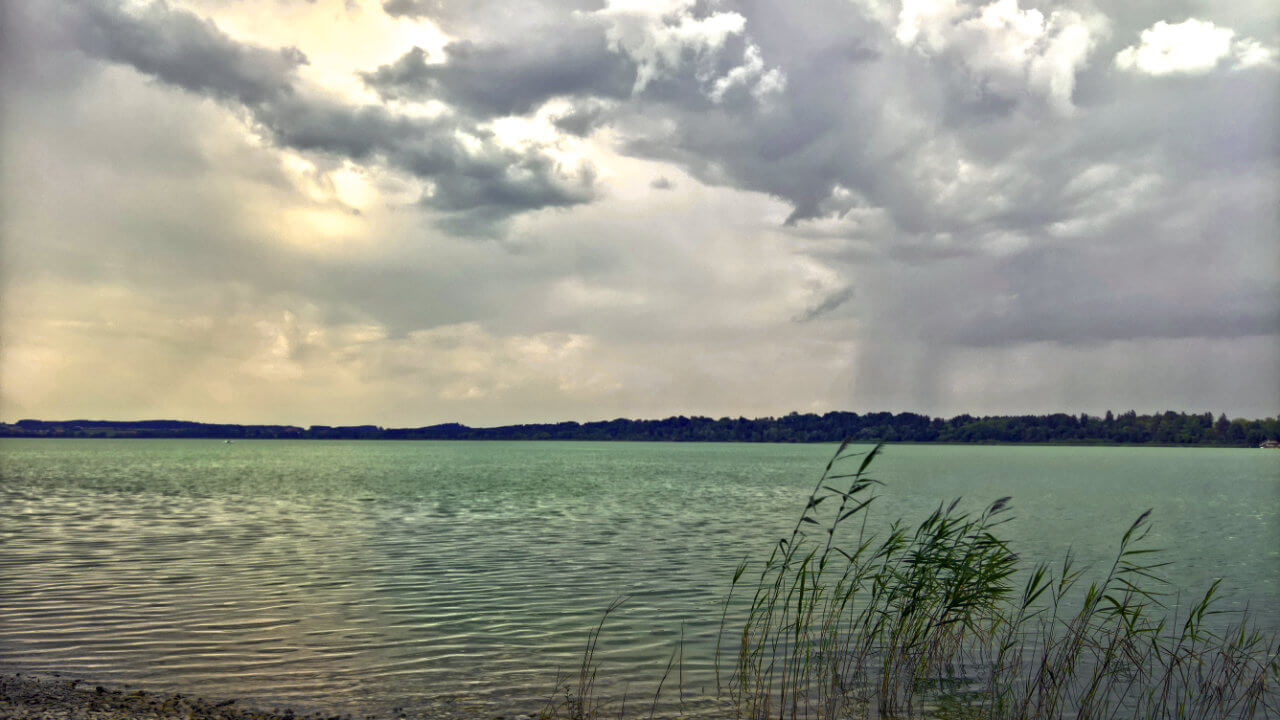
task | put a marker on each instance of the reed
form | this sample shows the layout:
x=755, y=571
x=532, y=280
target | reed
x=575, y=696
x=932, y=620
x=927, y=621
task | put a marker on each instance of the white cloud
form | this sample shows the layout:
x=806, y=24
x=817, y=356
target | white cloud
x=1191, y=47
x=659, y=36
x=1008, y=48
x=1251, y=53
x=751, y=74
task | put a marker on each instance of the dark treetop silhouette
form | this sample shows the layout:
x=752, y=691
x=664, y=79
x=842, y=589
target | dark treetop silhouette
x=1169, y=428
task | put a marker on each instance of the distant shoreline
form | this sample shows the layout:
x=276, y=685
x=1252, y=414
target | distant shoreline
x=673, y=442
x=1172, y=429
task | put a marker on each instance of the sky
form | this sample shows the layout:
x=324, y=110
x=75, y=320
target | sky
x=407, y=212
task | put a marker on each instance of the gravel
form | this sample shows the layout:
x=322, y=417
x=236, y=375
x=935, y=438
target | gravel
x=24, y=697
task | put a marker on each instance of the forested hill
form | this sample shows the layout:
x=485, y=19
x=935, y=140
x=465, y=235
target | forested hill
x=1169, y=428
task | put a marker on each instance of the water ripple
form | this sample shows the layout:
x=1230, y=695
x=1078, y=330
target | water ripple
x=441, y=577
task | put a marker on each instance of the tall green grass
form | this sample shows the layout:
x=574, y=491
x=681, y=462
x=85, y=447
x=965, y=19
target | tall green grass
x=942, y=619
x=928, y=621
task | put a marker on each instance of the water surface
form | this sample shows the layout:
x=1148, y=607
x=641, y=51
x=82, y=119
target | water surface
x=458, y=578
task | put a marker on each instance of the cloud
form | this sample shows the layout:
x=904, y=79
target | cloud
x=509, y=79
x=266, y=349
x=660, y=37
x=619, y=51
x=582, y=118
x=410, y=8
x=1252, y=53
x=752, y=74
x=1029, y=228
x=664, y=38
x=826, y=305
x=1010, y=50
x=1088, y=320
x=1192, y=47
x=185, y=50
x=488, y=18
x=470, y=175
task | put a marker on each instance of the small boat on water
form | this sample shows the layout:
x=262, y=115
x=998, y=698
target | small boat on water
x=227, y=442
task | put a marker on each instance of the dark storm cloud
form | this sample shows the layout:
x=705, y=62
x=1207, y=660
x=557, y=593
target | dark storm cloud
x=488, y=184
x=1146, y=290
x=581, y=119
x=826, y=305
x=1095, y=320
x=691, y=59
x=479, y=184
x=824, y=129
x=951, y=162
x=484, y=17
x=963, y=159
x=510, y=79
x=409, y=8
x=1072, y=298
x=1005, y=237
x=576, y=57
x=820, y=131
x=965, y=172
x=185, y=50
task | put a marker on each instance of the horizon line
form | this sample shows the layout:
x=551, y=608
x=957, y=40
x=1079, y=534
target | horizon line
x=644, y=419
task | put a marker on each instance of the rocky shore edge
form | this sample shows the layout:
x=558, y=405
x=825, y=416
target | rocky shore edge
x=25, y=697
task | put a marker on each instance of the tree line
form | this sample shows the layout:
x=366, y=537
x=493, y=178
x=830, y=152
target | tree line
x=1128, y=428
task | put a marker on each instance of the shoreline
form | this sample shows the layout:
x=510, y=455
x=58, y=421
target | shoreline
x=41, y=697
x=57, y=696
x=946, y=443
x=1127, y=428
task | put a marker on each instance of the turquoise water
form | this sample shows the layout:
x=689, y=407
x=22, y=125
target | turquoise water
x=458, y=578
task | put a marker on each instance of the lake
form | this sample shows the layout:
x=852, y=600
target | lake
x=457, y=578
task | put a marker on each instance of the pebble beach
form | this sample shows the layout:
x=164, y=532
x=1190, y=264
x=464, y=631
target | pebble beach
x=25, y=697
